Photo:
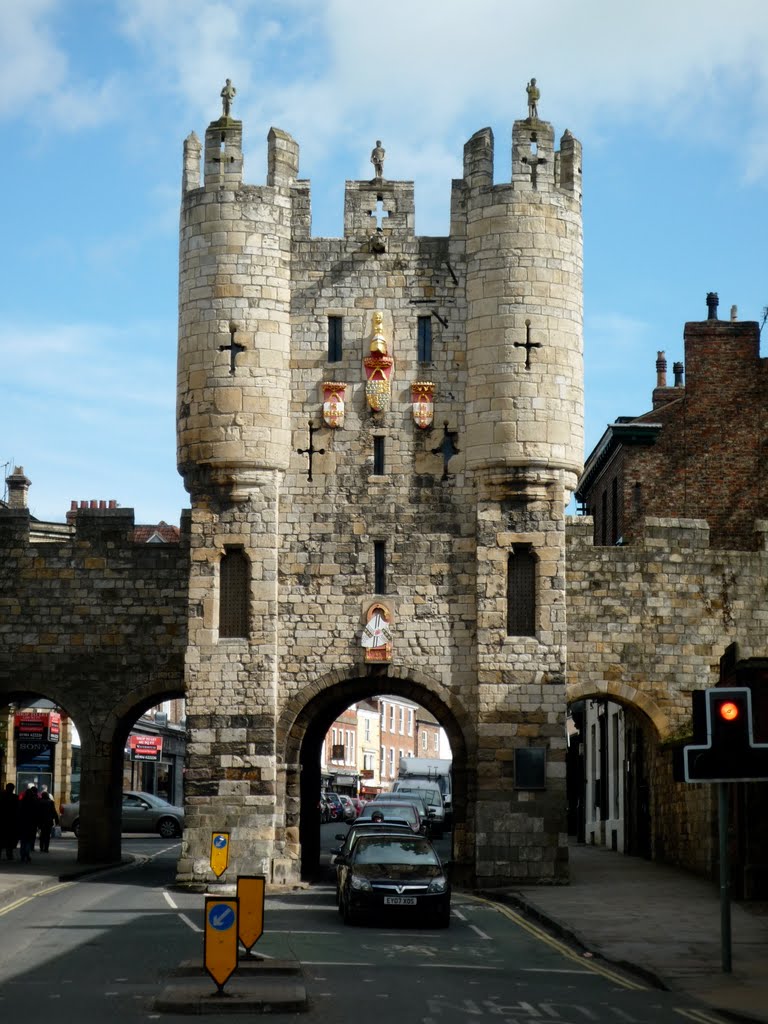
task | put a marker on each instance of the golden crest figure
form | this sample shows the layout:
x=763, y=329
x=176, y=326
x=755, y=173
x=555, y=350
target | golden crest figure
x=378, y=368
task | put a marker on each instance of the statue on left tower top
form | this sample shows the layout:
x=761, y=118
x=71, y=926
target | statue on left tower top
x=227, y=97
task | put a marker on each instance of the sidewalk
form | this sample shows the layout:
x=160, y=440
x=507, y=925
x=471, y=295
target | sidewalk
x=660, y=921
x=18, y=880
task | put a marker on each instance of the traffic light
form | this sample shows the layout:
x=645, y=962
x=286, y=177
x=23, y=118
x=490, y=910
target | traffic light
x=725, y=750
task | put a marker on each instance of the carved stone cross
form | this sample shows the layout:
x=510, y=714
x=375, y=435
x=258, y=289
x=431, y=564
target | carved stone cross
x=379, y=213
x=528, y=344
x=311, y=450
x=233, y=348
x=534, y=161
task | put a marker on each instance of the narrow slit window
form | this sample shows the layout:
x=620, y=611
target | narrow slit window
x=521, y=591
x=233, y=594
x=380, y=572
x=334, y=339
x=378, y=456
x=424, y=337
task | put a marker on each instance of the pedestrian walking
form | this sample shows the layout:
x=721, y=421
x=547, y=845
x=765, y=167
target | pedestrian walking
x=9, y=821
x=47, y=818
x=29, y=819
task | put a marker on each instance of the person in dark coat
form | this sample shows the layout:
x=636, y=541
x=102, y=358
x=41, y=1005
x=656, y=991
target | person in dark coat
x=29, y=819
x=47, y=818
x=9, y=821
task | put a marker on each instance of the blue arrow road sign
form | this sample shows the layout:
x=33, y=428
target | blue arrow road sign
x=220, y=842
x=221, y=917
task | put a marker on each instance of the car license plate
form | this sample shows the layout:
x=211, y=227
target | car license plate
x=400, y=901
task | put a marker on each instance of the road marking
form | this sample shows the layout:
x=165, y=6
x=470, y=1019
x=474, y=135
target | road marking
x=699, y=1016
x=192, y=925
x=334, y=963
x=464, y=967
x=560, y=947
x=169, y=900
x=480, y=933
x=27, y=899
x=458, y=914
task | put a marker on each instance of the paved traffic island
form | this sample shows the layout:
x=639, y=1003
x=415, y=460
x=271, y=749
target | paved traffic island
x=256, y=986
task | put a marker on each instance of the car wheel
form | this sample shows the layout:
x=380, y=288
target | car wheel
x=444, y=919
x=168, y=828
x=76, y=828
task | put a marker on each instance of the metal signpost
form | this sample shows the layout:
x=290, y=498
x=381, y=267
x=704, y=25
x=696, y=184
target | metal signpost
x=220, y=952
x=724, y=752
x=219, y=853
x=250, y=896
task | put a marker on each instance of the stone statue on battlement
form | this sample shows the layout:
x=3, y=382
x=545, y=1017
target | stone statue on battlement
x=227, y=97
x=533, y=100
x=377, y=159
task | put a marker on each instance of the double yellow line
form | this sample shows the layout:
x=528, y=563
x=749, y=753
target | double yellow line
x=699, y=1016
x=26, y=899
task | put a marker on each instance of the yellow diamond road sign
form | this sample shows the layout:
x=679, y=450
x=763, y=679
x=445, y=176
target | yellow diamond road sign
x=219, y=853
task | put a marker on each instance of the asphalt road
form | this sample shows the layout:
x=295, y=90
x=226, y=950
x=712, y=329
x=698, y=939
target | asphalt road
x=101, y=949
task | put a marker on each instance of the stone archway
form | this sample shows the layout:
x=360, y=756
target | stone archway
x=613, y=750
x=305, y=722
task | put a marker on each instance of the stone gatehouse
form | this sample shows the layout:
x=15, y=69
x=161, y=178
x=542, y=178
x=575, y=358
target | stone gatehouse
x=379, y=434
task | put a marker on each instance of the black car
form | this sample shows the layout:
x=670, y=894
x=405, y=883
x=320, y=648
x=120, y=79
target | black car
x=359, y=828
x=395, y=874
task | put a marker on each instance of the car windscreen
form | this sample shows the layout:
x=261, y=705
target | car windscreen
x=388, y=850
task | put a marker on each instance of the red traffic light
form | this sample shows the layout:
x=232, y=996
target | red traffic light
x=729, y=710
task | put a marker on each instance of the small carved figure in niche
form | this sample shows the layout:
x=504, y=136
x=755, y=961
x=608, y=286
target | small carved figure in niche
x=378, y=341
x=534, y=96
x=227, y=97
x=377, y=159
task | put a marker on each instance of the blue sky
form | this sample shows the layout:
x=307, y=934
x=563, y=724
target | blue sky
x=96, y=96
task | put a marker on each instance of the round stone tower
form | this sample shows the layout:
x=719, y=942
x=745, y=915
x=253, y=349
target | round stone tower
x=524, y=296
x=234, y=300
x=524, y=449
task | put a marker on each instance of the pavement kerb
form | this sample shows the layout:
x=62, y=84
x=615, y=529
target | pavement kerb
x=569, y=934
x=574, y=938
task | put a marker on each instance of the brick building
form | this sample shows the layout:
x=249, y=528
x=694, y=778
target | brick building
x=699, y=452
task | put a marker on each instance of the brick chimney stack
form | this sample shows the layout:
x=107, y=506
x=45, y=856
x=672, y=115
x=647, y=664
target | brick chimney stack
x=18, y=485
x=661, y=370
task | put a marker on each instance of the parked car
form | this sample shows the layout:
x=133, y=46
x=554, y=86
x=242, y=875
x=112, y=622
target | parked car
x=400, y=811
x=398, y=874
x=142, y=812
x=349, y=811
x=335, y=806
x=324, y=806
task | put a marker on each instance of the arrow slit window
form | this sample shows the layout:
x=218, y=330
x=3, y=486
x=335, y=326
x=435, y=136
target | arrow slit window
x=521, y=591
x=234, y=574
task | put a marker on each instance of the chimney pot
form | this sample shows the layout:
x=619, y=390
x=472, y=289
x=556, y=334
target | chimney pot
x=712, y=303
x=661, y=370
x=677, y=369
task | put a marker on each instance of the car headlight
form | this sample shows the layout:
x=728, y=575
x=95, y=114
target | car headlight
x=360, y=884
x=438, y=884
